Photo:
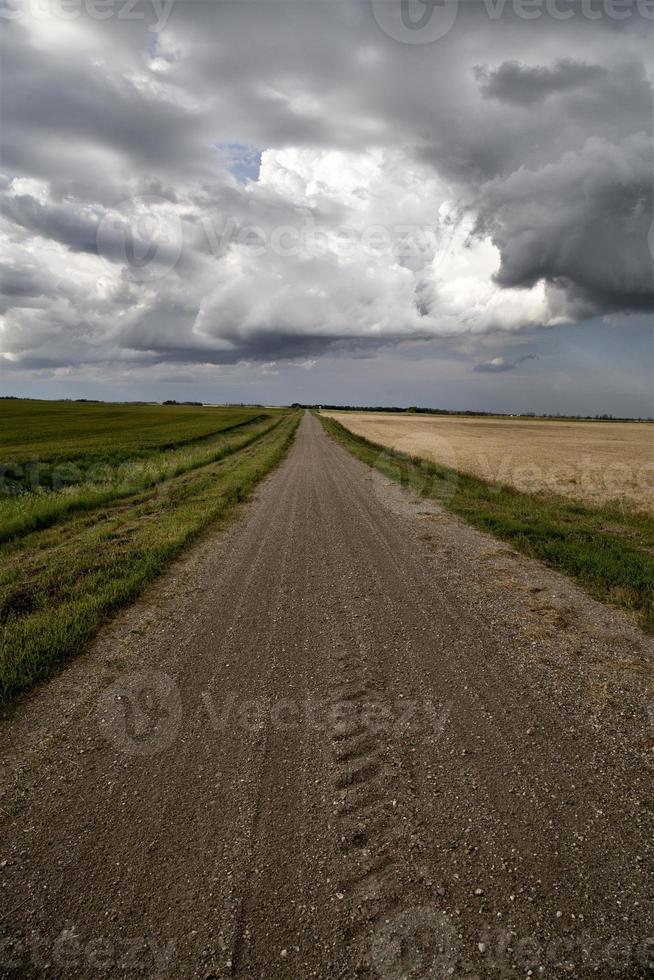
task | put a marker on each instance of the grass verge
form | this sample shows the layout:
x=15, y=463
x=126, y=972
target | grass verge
x=22, y=513
x=57, y=585
x=607, y=550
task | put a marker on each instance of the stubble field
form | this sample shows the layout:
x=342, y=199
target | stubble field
x=593, y=462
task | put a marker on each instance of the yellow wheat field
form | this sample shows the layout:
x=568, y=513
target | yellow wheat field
x=590, y=461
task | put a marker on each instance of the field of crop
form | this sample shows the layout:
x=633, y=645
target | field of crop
x=594, y=462
x=54, y=430
x=607, y=548
x=94, y=510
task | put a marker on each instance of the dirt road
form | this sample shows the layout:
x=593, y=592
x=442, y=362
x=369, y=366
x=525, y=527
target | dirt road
x=347, y=737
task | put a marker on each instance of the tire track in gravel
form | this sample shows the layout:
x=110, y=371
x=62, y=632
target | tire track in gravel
x=388, y=889
x=372, y=799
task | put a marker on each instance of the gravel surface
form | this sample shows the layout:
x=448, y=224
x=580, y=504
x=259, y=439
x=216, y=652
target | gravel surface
x=349, y=736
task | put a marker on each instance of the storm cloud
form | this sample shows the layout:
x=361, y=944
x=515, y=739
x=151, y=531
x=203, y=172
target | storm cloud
x=525, y=85
x=281, y=181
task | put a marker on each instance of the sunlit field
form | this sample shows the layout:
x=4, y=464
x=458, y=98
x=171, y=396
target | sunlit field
x=594, y=462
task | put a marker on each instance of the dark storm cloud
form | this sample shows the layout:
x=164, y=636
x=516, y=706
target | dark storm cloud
x=21, y=282
x=580, y=223
x=61, y=223
x=577, y=218
x=524, y=85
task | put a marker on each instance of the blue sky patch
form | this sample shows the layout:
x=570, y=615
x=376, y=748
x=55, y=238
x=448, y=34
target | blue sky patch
x=242, y=161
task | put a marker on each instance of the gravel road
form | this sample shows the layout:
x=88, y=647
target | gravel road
x=348, y=736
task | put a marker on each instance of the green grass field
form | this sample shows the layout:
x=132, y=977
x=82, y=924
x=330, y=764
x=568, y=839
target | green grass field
x=72, y=550
x=73, y=430
x=606, y=549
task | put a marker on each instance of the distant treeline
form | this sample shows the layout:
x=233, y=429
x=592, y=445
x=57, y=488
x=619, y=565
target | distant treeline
x=172, y=401
x=100, y=401
x=412, y=409
x=419, y=410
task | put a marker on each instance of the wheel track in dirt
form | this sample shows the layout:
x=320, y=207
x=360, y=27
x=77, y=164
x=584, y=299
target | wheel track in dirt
x=373, y=826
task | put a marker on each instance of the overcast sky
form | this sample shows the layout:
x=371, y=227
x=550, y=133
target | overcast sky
x=375, y=202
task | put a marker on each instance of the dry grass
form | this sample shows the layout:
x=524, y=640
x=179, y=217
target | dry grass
x=594, y=462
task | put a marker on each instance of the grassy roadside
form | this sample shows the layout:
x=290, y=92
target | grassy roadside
x=22, y=514
x=59, y=472
x=607, y=550
x=57, y=585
